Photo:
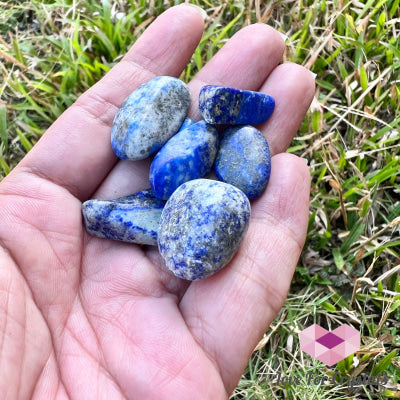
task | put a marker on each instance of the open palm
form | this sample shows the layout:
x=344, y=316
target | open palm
x=87, y=318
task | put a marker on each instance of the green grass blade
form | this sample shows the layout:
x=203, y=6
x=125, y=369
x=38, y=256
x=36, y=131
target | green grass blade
x=383, y=364
x=352, y=237
x=3, y=127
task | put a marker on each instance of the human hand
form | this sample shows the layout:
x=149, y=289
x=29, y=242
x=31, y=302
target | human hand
x=88, y=318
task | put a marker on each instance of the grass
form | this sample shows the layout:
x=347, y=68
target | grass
x=52, y=51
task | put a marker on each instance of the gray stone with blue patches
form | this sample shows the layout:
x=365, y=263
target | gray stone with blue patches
x=132, y=219
x=244, y=160
x=224, y=105
x=201, y=228
x=151, y=115
x=188, y=155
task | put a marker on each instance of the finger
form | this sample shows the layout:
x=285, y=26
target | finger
x=229, y=312
x=75, y=152
x=245, y=61
x=292, y=86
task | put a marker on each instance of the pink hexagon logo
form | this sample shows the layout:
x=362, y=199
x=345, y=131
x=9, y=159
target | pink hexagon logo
x=329, y=347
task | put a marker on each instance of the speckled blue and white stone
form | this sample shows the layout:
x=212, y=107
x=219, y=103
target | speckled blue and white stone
x=244, y=160
x=224, y=105
x=151, y=115
x=188, y=155
x=132, y=219
x=201, y=228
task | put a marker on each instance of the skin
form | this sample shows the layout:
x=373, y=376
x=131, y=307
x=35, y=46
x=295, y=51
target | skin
x=86, y=318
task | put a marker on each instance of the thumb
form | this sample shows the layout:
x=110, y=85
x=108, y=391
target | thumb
x=229, y=312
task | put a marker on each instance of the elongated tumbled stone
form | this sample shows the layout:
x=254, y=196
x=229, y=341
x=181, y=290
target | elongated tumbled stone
x=151, y=115
x=188, y=155
x=244, y=160
x=201, y=228
x=224, y=105
x=132, y=219
x=186, y=123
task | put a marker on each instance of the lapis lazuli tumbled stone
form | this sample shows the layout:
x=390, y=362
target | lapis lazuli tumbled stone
x=132, y=219
x=244, y=160
x=186, y=123
x=188, y=155
x=149, y=117
x=201, y=228
x=224, y=105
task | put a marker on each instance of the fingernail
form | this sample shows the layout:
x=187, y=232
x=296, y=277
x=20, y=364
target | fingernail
x=284, y=37
x=199, y=9
x=313, y=74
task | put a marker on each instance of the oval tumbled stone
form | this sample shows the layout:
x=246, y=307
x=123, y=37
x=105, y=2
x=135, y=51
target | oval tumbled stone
x=132, y=219
x=201, y=228
x=151, y=115
x=244, y=160
x=188, y=155
x=224, y=105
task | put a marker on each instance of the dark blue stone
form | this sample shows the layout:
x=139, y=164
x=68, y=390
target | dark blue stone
x=132, y=219
x=223, y=105
x=151, y=115
x=188, y=155
x=244, y=160
x=201, y=228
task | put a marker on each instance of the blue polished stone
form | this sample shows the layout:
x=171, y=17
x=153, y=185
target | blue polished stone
x=201, y=228
x=186, y=123
x=223, y=105
x=132, y=219
x=188, y=155
x=151, y=115
x=244, y=160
